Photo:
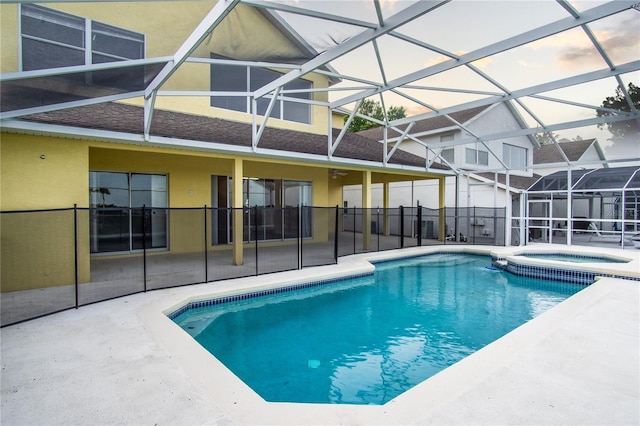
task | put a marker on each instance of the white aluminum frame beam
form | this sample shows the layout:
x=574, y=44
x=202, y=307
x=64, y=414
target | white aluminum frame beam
x=256, y=132
x=578, y=104
x=216, y=15
x=66, y=105
x=404, y=16
x=532, y=90
x=387, y=156
x=309, y=13
x=544, y=31
x=334, y=145
x=534, y=130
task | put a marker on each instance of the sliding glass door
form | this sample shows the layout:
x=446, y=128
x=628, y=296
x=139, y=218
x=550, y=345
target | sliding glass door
x=119, y=223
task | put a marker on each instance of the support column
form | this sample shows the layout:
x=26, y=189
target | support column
x=238, y=216
x=569, y=208
x=366, y=213
x=508, y=210
x=442, y=183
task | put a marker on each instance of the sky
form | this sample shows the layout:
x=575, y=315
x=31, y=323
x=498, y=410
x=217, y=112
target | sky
x=462, y=26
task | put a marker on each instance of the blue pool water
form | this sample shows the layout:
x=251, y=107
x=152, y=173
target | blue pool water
x=367, y=340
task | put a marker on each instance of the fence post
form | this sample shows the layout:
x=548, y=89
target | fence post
x=144, y=247
x=378, y=226
x=420, y=226
x=75, y=249
x=401, y=226
x=335, y=236
x=299, y=236
x=206, y=247
x=443, y=211
x=354, y=230
x=255, y=234
x=475, y=223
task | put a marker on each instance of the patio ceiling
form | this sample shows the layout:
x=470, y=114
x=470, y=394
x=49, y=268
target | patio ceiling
x=553, y=61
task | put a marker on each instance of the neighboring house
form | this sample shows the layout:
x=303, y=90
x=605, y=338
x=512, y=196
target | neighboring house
x=63, y=145
x=587, y=152
x=473, y=189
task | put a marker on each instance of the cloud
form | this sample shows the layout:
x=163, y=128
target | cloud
x=480, y=63
x=531, y=65
x=414, y=109
x=621, y=44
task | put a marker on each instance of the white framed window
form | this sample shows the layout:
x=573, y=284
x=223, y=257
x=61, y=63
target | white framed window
x=448, y=154
x=230, y=78
x=514, y=157
x=476, y=156
x=51, y=39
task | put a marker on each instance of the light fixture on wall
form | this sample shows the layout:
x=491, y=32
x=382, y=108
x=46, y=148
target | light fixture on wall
x=335, y=173
x=43, y=157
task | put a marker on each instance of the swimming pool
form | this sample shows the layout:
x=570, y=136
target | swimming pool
x=368, y=339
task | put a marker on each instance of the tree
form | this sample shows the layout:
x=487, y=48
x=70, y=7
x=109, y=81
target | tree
x=374, y=109
x=621, y=129
x=546, y=137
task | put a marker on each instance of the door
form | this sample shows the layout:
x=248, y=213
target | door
x=539, y=223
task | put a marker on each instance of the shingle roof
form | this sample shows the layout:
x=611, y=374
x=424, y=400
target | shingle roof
x=426, y=125
x=549, y=153
x=129, y=119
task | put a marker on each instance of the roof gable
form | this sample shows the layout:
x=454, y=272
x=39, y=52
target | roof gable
x=574, y=150
x=427, y=125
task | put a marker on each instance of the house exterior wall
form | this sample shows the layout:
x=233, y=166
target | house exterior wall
x=244, y=34
x=425, y=192
x=496, y=119
x=29, y=182
x=499, y=119
x=61, y=180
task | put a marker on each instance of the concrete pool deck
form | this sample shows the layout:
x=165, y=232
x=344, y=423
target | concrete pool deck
x=124, y=362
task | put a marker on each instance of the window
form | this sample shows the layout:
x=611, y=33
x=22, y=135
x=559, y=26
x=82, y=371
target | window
x=128, y=211
x=475, y=156
x=229, y=78
x=514, y=157
x=52, y=39
x=447, y=153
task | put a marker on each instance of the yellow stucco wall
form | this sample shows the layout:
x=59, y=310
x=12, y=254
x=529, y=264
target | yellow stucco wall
x=29, y=182
x=8, y=38
x=38, y=247
x=245, y=34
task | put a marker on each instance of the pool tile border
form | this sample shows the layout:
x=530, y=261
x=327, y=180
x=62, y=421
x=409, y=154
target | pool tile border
x=258, y=293
x=553, y=273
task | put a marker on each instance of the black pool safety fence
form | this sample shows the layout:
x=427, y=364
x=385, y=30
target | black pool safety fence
x=53, y=260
